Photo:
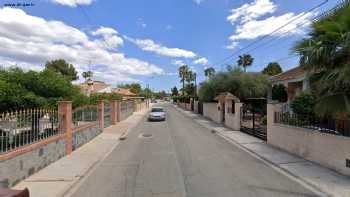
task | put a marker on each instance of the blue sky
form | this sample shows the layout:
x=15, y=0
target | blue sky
x=147, y=40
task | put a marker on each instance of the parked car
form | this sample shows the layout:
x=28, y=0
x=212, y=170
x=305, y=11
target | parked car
x=157, y=114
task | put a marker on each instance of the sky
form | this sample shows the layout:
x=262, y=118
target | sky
x=146, y=41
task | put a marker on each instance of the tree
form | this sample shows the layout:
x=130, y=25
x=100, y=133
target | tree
x=174, y=91
x=325, y=54
x=279, y=93
x=209, y=72
x=20, y=89
x=133, y=87
x=245, y=60
x=183, y=74
x=62, y=67
x=87, y=75
x=272, y=69
x=241, y=84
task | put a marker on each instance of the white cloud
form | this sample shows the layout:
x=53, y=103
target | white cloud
x=31, y=41
x=177, y=62
x=248, y=24
x=202, y=61
x=110, y=37
x=233, y=45
x=151, y=46
x=73, y=3
x=256, y=28
x=252, y=10
x=198, y=1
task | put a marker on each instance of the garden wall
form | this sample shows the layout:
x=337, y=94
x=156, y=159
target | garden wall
x=210, y=110
x=85, y=134
x=36, y=156
x=328, y=150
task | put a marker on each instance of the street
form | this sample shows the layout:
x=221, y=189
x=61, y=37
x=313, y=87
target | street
x=178, y=158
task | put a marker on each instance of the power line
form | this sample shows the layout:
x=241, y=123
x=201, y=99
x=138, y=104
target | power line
x=267, y=35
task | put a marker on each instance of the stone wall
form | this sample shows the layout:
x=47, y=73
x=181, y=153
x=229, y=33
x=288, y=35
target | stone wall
x=85, y=135
x=23, y=165
x=328, y=150
x=211, y=111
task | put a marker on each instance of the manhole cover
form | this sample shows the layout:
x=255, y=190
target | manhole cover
x=146, y=135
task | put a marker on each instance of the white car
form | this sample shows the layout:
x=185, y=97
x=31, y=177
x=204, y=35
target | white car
x=157, y=114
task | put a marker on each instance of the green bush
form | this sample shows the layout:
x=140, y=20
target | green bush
x=303, y=104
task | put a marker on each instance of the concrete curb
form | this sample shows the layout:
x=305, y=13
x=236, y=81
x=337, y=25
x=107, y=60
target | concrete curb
x=318, y=191
x=79, y=181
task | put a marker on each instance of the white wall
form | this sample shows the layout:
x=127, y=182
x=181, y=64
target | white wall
x=232, y=120
x=328, y=150
x=210, y=110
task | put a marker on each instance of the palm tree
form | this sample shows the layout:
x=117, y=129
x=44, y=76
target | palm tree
x=245, y=61
x=326, y=55
x=209, y=72
x=87, y=75
x=183, y=74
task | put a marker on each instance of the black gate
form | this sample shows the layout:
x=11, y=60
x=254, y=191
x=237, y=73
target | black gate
x=200, y=108
x=253, y=117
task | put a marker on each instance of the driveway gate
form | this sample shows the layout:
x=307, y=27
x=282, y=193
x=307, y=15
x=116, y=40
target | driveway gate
x=253, y=117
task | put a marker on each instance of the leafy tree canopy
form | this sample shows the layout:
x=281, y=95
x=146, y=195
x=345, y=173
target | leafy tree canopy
x=244, y=61
x=29, y=89
x=134, y=87
x=241, y=84
x=61, y=66
x=272, y=69
x=174, y=91
x=325, y=54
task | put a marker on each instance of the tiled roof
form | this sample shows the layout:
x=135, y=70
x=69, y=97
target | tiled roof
x=123, y=92
x=293, y=73
x=97, y=86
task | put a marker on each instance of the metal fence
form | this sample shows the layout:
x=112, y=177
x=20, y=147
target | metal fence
x=323, y=125
x=23, y=127
x=84, y=115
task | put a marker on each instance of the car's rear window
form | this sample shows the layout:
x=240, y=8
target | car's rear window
x=157, y=110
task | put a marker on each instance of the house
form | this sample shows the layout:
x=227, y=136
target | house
x=295, y=80
x=90, y=87
x=123, y=92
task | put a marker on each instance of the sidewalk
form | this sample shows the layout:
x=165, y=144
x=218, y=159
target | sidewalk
x=311, y=175
x=59, y=177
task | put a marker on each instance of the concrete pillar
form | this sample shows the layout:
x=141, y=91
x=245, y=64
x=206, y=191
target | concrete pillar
x=237, y=120
x=272, y=107
x=100, y=111
x=65, y=113
x=114, y=111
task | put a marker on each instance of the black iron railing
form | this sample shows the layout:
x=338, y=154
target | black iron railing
x=323, y=125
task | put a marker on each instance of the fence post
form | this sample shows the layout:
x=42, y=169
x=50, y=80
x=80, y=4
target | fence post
x=114, y=118
x=100, y=109
x=272, y=107
x=237, y=123
x=65, y=112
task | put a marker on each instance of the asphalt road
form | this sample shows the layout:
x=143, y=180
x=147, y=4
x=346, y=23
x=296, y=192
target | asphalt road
x=182, y=158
